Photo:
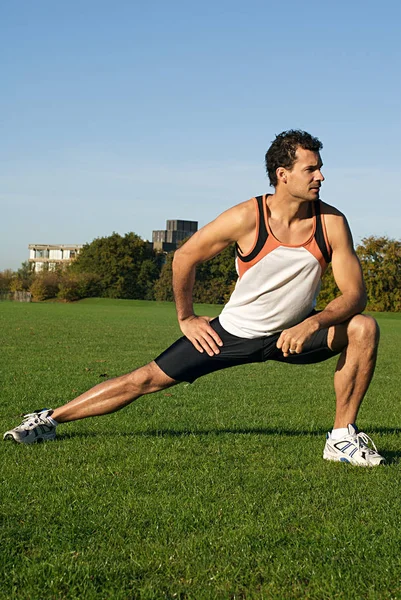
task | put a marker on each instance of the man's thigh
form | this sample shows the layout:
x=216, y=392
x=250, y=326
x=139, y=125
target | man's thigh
x=337, y=337
x=317, y=349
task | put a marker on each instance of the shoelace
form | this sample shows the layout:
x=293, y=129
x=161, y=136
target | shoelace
x=364, y=440
x=31, y=416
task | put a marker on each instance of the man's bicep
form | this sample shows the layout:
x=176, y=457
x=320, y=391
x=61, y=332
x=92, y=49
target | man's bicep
x=347, y=270
x=206, y=243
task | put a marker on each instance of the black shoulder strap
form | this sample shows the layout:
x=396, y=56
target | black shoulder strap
x=319, y=235
x=263, y=233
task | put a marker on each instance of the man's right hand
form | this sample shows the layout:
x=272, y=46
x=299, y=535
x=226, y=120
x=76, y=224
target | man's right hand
x=199, y=331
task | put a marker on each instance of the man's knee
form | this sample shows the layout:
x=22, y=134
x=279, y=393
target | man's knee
x=149, y=378
x=363, y=329
x=360, y=329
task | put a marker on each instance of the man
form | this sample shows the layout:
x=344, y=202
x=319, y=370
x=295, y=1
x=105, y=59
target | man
x=284, y=243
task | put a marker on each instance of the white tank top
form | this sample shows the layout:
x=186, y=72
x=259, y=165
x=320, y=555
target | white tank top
x=277, y=283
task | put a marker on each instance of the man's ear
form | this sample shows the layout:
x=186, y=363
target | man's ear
x=281, y=175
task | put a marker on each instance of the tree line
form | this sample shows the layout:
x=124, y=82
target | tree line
x=127, y=267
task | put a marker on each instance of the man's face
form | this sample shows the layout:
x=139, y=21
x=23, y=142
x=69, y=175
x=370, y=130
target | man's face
x=305, y=178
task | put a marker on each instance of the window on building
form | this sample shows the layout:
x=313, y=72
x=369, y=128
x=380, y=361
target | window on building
x=41, y=254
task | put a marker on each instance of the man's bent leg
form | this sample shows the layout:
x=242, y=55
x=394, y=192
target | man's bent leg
x=358, y=339
x=114, y=394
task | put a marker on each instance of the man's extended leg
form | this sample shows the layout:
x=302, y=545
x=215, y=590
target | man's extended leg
x=107, y=397
x=359, y=339
x=111, y=395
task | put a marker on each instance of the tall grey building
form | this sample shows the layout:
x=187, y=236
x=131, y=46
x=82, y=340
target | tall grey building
x=166, y=240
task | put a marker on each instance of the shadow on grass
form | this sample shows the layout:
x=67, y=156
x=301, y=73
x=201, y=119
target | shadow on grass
x=212, y=431
x=193, y=432
x=392, y=457
x=384, y=430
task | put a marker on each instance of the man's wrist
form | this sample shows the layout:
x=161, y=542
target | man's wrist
x=326, y=319
x=189, y=317
x=317, y=321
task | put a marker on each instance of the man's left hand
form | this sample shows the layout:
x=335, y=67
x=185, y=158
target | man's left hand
x=291, y=341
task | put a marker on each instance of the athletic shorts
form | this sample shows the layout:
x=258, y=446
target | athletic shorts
x=183, y=362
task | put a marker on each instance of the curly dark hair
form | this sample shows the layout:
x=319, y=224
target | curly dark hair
x=282, y=150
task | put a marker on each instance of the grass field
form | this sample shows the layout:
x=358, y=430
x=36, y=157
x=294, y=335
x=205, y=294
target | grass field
x=211, y=490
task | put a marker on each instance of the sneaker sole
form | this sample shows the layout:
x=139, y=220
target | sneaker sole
x=9, y=436
x=337, y=459
x=343, y=459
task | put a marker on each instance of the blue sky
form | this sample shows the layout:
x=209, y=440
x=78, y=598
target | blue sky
x=116, y=116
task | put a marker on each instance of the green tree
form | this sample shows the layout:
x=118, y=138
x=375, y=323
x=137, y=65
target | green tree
x=215, y=278
x=45, y=285
x=214, y=282
x=6, y=278
x=329, y=289
x=23, y=278
x=380, y=258
x=148, y=275
x=117, y=261
x=381, y=265
x=74, y=286
x=163, y=288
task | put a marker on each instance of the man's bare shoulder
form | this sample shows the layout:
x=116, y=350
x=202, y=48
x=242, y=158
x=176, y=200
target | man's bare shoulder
x=244, y=211
x=241, y=217
x=229, y=226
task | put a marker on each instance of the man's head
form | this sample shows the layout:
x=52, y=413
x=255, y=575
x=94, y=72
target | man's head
x=283, y=151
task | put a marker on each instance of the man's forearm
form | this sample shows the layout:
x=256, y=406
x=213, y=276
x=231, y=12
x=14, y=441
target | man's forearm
x=340, y=309
x=183, y=284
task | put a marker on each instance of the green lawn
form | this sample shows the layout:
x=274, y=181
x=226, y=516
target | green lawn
x=210, y=490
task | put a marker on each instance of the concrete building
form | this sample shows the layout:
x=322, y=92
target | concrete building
x=52, y=255
x=166, y=240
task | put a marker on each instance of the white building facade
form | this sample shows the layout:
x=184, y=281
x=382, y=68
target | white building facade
x=50, y=256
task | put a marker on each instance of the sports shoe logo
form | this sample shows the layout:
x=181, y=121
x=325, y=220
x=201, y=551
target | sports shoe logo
x=344, y=445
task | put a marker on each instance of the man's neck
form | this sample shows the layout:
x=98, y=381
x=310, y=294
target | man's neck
x=287, y=209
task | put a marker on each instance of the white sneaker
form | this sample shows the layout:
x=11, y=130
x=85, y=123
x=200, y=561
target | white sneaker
x=353, y=448
x=35, y=427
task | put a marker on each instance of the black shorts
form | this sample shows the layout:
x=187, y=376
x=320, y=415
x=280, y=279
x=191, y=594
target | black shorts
x=183, y=362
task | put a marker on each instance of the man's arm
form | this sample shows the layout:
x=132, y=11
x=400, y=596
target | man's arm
x=348, y=277
x=347, y=274
x=209, y=241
